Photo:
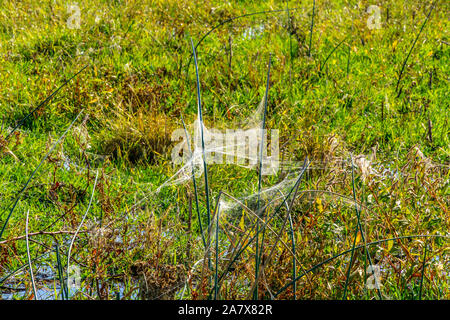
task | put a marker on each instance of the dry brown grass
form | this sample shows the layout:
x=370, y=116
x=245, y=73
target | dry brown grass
x=138, y=138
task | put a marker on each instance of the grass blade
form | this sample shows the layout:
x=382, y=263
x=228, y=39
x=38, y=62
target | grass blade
x=29, y=258
x=78, y=229
x=261, y=147
x=358, y=229
x=348, y=61
x=195, y=184
x=312, y=28
x=34, y=172
x=60, y=273
x=290, y=48
x=423, y=270
x=412, y=47
x=200, y=118
x=44, y=102
x=294, y=267
x=329, y=55
x=216, y=283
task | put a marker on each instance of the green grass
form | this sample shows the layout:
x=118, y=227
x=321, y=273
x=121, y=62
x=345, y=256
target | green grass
x=337, y=91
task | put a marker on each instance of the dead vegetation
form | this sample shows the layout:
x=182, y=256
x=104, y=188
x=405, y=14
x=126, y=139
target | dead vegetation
x=141, y=138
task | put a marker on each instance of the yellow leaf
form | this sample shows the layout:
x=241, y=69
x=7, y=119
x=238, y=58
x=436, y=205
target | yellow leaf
x=390, y=244
x=358, y=238
x=241, y=223
x=319, y=205
x=93, y=101
x=394, y=44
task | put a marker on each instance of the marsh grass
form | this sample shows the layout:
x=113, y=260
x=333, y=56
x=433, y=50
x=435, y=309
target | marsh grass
x=309, y=232
x=141, y=138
